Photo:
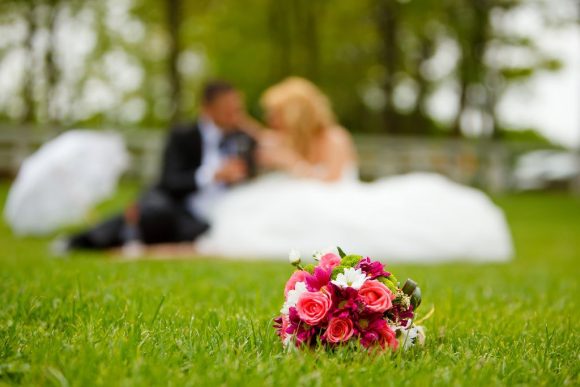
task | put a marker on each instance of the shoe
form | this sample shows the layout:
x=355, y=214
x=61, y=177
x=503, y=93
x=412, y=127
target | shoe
x=133, y=249
x=60, y=247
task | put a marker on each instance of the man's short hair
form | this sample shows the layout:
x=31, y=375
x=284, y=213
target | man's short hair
x=212, y=90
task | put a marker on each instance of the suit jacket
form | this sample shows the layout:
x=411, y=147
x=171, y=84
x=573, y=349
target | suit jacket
x=183, y=155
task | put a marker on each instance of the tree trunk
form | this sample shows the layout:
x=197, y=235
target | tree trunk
x=28, y=88
x=420, y=122
x=482, y=36
x=281, y=41
x=387, y=23
x=309, y=14
x=462, y=105
x=50, y=68
x=174, y=9
x=473, y=36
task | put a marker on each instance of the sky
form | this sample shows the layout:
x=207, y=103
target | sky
x=551, y=101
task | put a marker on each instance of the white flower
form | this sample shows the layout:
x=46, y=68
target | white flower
x=287, y=340
x=412, y=336
x=289, y=343
x=353, y=278
x=294, y=257
x=318, y=254
x=293, y=296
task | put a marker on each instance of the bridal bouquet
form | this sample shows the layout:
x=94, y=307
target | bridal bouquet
x=348, y=299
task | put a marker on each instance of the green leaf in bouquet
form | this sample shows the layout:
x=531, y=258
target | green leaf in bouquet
x=416, y=298
x=309, y=268
x=341, y=252
x=409, y=287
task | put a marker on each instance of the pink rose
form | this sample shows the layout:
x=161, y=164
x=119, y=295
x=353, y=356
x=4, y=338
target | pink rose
x=339, y=329
x=387, y=338
x=312, y=307
x=376, y=296
x=329, y=261
x=297, y=276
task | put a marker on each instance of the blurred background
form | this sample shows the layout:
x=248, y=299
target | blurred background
x=486, y=92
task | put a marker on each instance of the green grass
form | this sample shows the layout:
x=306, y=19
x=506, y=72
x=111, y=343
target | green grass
x=89, y=320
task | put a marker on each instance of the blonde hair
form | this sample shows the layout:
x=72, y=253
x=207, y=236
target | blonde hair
x=304, y=110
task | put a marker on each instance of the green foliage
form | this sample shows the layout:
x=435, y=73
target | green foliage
x=337, y=270
x=393, y=279
x=309, y=268
x=350, y=260
x=93, y=320
x=529, y=136
x=389, y=284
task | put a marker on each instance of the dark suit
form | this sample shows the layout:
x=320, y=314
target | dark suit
x=164, y=216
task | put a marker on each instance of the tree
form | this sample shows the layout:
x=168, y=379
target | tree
x=483, y=81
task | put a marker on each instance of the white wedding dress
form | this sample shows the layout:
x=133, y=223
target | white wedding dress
x=417, y=217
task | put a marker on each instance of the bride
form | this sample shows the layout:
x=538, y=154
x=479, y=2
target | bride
x=313, y=199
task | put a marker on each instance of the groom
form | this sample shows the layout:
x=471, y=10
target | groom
x=200, y=162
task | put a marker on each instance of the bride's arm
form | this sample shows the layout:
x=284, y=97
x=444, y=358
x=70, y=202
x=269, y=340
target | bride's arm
x=251, y=127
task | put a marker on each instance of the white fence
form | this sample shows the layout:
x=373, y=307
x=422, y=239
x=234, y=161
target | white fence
x=484, y=164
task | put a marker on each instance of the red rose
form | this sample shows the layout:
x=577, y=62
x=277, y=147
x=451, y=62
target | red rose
x=387, y=338
x=376, y=296
x=339, y=329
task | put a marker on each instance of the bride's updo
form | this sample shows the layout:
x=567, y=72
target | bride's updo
x=303, y=110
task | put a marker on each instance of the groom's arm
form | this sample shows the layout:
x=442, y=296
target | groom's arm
x=249, y=156
x=246, y=153
x=181, y=160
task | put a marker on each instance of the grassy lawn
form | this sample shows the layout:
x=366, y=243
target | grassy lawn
x=88, y=320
